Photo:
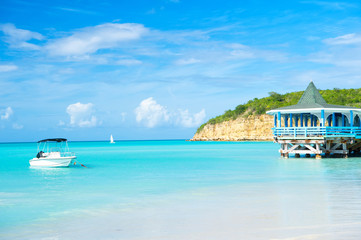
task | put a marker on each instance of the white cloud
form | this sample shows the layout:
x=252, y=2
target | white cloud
x=187, y=61
x=346, y=58
x=351, y=38
x=150, y=113
x=6, y=113
x=331, y=5
x=76, y=10
x=8, y=68
x=17, y=126
x=123, y=116
x=128, y=62
x=242, y=54
x=17, y=38
x=225, y=56
x=241, y=51
x=343, y=51
x=81, y=115
x=151, y=11
x=187, y=120
x=91, y=39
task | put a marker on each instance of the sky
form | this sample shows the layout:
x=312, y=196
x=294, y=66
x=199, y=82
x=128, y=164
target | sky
x=158, y=69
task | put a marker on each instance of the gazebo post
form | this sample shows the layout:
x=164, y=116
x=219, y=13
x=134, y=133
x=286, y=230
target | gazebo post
x=279, y=119
x=275, y=120
x=351, y=118
x=322, y=118
x=291, y=123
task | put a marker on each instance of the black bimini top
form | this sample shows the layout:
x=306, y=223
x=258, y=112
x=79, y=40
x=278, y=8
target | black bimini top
x=53, y=140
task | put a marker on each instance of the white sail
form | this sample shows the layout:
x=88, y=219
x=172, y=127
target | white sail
x=111, y=139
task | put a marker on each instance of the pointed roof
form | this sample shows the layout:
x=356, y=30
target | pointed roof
x=311, y=96
x=311, y=99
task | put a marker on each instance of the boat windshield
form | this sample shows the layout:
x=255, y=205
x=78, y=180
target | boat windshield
x=55, y=149
x=53, y=146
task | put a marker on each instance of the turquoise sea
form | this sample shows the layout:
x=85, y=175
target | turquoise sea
x=179, y=190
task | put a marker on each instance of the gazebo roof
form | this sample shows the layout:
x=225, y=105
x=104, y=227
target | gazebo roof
x=311, y=96
x=311, y=100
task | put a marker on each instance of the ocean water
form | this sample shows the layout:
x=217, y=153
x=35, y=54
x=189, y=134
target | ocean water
x=179, y=190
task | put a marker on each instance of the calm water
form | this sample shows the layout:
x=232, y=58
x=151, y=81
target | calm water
x=179, y=190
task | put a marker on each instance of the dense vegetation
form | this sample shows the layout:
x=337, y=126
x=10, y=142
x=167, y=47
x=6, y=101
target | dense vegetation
x=348, y=97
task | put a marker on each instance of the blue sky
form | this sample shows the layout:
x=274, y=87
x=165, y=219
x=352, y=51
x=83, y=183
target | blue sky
x=158, y=69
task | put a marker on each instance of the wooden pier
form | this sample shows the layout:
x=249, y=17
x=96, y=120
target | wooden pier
x=313, y=127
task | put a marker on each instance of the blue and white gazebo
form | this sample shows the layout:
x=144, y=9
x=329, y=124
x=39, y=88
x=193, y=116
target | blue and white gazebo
x=313, y=126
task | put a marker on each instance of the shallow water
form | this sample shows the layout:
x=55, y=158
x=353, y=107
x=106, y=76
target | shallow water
x=179, y=190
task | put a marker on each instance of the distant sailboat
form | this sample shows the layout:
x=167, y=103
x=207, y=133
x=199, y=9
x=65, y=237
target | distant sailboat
x=111, y=139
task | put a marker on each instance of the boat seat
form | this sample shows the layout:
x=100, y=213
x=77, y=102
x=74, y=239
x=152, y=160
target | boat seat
x=40, y=154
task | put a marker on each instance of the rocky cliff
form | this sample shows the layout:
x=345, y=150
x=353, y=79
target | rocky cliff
x=251, y=128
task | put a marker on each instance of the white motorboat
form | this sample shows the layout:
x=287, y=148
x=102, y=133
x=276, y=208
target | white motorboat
x=111, y=139
x=53, y=152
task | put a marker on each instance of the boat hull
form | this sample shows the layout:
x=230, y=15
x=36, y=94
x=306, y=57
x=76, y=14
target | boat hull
x=52, y=162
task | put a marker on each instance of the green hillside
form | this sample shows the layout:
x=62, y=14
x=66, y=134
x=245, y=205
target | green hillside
x=348, y=97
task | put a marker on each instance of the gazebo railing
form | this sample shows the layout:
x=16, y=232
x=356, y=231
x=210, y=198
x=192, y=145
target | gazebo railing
x=317, y=131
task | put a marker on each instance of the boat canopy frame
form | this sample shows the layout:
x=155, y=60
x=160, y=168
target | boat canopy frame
x=61, y=145
x=53, y=140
